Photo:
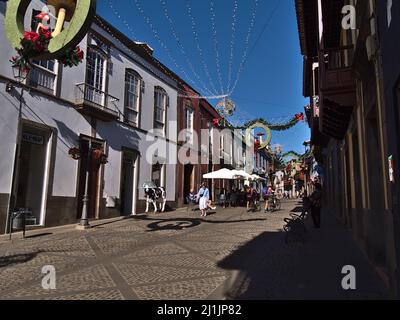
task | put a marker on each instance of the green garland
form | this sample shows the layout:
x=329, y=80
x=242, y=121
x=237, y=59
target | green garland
x=274, y=127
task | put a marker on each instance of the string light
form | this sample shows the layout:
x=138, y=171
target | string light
x=233, y=39
x=166, y=72
x=246, y=46
x=196, y=38
x=215, y=36
x=116, y=13
x=182, y=48
x=162, y=44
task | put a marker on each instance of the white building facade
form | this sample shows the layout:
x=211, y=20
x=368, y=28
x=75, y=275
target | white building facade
x=108, y=104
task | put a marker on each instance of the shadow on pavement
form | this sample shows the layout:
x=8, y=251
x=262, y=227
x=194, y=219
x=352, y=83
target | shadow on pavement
x=33, y=236
x=184, y=223
x=268, y=269
x=8, y=261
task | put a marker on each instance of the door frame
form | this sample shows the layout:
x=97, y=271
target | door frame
x=100, y=178
x=135, y=193
x=48, y=165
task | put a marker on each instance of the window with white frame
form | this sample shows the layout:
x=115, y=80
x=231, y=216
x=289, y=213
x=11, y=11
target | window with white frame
x=132, y=97
x=160, y=106
x=189, y=124
x=95, y=76
x=43, y=76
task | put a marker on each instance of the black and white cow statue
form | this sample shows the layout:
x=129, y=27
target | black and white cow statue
x=153, y=196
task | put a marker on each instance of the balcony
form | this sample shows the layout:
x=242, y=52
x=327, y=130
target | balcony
x=336, y=77
x=337, y=90
x=42, y=79
x=93, y=102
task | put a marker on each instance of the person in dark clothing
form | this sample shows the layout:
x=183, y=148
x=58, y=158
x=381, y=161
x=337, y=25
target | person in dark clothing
x=306, y=205
x=315, y=200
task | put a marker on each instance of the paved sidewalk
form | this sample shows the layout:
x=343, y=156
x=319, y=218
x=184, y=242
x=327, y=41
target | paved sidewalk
x=231, y=254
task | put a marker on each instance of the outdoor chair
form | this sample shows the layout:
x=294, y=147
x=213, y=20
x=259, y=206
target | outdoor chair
x=234, y=200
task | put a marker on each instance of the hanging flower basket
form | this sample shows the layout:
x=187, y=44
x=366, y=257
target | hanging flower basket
x=31, y=45
x=75, y=153
x=99, y=156
x=72, y=57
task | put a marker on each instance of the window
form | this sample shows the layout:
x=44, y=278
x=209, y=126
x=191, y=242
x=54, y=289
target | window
x=95, y=76
x=189, y=124
x=156, y=174
x=43, y=76
x=47, y=64
x=132, y=97
x=160, y=105
x=95, y=69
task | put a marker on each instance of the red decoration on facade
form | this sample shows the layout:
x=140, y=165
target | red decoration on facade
x=31, y=45
x=99, y=156
x=75, y=153
x=300, y=117
x=72, y=57
x=257, y=145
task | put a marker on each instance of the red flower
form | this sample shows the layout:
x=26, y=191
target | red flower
x=31, y=36
x=44, y=31
x=79, y=53
x=216, y=122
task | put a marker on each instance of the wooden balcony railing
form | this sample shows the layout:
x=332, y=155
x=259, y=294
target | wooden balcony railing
x=338, y=58
x=336, y=80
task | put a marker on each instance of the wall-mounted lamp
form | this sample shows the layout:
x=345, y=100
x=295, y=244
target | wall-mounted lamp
x=9, y=87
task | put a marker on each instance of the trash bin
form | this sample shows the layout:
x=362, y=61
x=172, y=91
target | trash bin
x=19, y=218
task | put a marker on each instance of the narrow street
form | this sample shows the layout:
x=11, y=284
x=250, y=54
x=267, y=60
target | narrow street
x=231, y=254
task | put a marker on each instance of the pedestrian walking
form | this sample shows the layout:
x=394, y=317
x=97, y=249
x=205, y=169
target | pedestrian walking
x=204, y=199
x=306, y=205
x=315, y=200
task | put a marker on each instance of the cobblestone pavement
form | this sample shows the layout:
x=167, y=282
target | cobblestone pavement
x=231, y=254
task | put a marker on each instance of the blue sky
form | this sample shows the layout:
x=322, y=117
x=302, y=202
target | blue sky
x=270, y=84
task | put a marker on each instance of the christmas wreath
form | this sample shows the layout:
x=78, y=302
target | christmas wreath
x=33, y=44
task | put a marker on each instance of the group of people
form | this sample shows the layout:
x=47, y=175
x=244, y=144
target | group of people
x=311, y=204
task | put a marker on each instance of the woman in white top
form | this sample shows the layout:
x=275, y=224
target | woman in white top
x=204, y=199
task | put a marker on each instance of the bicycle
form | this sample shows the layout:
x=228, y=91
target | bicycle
x=295, y=228
x=274, y=204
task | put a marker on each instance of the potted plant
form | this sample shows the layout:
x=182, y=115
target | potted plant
x=99, y=156
x=75, y=153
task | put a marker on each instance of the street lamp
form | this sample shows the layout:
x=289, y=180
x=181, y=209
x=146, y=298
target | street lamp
x=20, y=74
x=84, y=224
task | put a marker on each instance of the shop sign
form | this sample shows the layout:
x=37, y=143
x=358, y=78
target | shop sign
x=32, y=138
